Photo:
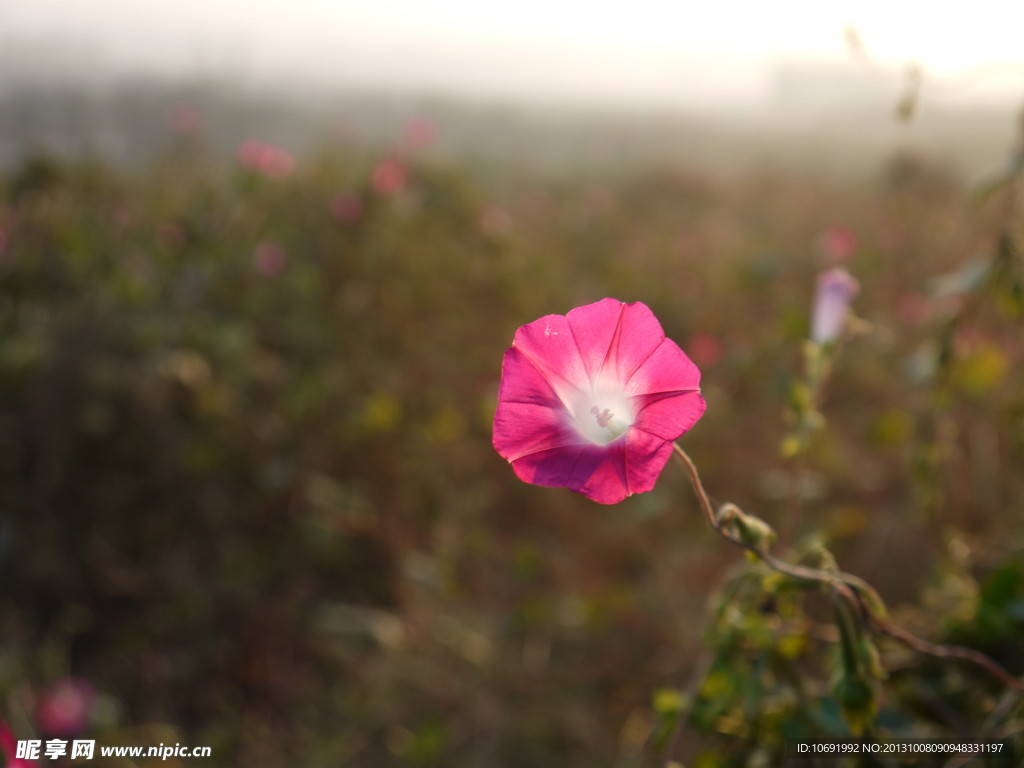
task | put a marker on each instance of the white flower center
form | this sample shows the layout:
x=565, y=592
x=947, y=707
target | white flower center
x=602, y=413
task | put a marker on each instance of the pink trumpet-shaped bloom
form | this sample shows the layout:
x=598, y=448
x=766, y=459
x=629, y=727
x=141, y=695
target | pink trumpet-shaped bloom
x=593, y=400
x=836, y=289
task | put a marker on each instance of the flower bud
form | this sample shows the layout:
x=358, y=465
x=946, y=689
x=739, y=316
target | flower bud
x=751, y=530
x=836, y=289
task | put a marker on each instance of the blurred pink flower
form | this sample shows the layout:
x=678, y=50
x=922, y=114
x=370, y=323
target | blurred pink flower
x=9, y=748
x=705, y=349
x=913, y=308
x=969, y=340
x=250, y=154
x=495, y=221
x=346, y=208
x=389, y=177
x=593, y=400
x=269, y=259
x=66, y=707
x=183, y=119
x=171, y=235
x=600, y=199
x=836, y=289
x=420, y=132
x=837, y=245
x=265, y=159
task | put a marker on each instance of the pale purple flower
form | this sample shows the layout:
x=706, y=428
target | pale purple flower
x=836, y=289
x=593, y=400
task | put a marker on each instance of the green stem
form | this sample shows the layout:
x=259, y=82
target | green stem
x=857, y=593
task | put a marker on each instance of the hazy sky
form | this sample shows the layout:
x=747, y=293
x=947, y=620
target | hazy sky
x=641, y=50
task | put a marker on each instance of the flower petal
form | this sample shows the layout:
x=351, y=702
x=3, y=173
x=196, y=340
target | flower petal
x=666, y=369
x=605, y=474
x=549, y=345
x=668, y=415
x=638, y=335
x=530, y=416
x=523, y=382
x=568, y=466
x=594, y=328
x=646, y=456
x=521, y=429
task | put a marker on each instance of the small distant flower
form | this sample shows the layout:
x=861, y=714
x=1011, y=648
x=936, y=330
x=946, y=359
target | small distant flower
x=171, y=235
x=65, y=709
x=913, y=308
x=600, y=199
x=184, y=119
x=594, y=399
x=705, y=349
x=278, y=163
x=495, y=221
x=123, y=215
x=265, y=159
x=837, y=245
x=347, y=208
x=836, y=289
x=420, y=132
x=389, y=177
x=269, y=259
x=250, y=155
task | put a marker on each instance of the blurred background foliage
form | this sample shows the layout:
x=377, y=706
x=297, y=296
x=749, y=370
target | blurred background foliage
x=248, y=491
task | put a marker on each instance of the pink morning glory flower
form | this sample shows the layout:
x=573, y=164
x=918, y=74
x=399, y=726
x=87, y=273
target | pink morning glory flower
x=836, y=289
x=592, y=401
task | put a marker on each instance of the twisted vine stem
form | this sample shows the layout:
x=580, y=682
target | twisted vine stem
x=860, y=595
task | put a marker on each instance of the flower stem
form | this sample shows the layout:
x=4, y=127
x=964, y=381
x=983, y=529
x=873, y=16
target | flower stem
x=859, y=595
